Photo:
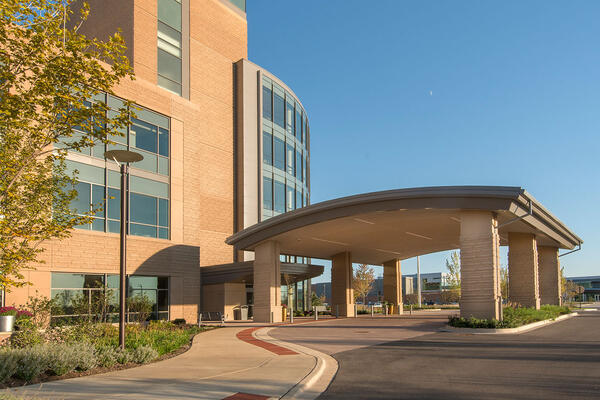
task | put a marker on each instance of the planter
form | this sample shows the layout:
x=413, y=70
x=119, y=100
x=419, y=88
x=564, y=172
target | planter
x=7, y=323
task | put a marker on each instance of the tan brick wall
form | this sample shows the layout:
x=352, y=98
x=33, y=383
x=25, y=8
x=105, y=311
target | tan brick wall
x=392, y=284
x=549, y=275
x=342, y=294
x=267, y=282
x=201, y=154
x=523, y=269
x=479, y=259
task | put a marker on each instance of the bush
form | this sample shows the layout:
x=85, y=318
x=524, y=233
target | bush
x=31, y=362
x=179, y=321
x=86, y=355
x=123, y=356
x=107, y=356
x=143, y=354
x=513, y=317
x=8, y=364
x=62, y=359
x=26, y=334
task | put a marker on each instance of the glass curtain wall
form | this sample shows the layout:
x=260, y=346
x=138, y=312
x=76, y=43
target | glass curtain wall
x=99, y=182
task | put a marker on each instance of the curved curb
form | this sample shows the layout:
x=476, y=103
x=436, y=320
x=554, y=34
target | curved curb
x=504, y=331
x=317, y=380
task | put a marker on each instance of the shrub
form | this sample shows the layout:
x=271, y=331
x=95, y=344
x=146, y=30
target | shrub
x=86, y=355
x=107, y=356
x=31, y=362
x=8, y=364
x=513, y=317
x=143, y=354
x=123, y=356
x=179, y=321
x=62, y=359
x=140, y=306
x=26, y=334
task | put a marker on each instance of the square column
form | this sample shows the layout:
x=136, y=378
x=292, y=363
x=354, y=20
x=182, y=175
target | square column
x=267, y=283
x=549, y=274
x=342, y=294
x=392, y=284
x=523, y=277
x=479, y=259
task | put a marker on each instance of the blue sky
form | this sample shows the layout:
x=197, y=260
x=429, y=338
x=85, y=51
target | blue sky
x=421, y=93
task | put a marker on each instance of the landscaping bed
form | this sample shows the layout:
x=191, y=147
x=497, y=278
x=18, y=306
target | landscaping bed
x=513, y=317
x=34, y=356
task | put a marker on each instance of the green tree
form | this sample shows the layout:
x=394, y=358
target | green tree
x=51, y=80
x=362, y=282
x=504, y=282
x=315, y=300
x=453, y=266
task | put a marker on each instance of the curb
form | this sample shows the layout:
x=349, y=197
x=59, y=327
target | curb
x=317, y=380
x=504, y=331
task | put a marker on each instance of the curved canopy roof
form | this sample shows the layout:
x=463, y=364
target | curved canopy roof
x=402, y=223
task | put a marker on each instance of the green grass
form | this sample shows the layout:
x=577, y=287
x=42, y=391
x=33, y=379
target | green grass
x=512, y=317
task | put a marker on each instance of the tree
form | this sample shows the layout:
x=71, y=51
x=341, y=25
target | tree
x=504, y=282
x=51, y=80
x=453, y=266
x=316, y=300
x=362, y=282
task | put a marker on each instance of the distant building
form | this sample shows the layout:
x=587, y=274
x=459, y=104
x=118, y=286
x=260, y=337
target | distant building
x=591, y=285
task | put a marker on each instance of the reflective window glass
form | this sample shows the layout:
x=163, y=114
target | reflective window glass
x=114, y=203
x=290, y=158
x=298, y=199
x=163, y=212
x=278, y=110
x=267, y=103
x=169, y=11
x=144, y=135
x=267, y=148
x=142, y=230
x=169, y=66
x=81, y=204
x=279, y=156
x=169, y=40
x=279, y=195
x=143, y=209
x=298, y=165
x=289, y=117
x=298, y=126
x=290, y=198
x=163, y=142
x=267, y=193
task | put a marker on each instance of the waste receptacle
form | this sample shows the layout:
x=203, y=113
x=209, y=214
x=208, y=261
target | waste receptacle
x=244, y=312
x=237, y=314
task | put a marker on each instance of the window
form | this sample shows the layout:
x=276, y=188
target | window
x=279, y=196
x=290, y=197
x=267, y=148
x=279, y=156
x=298, y=198
x=169, y=45
x=267, y=193
x=97, y=296
x=298, y=164
x=289, y=116
x=298, y=127
x=278, y=110
x=267, y=103
x=290, y=158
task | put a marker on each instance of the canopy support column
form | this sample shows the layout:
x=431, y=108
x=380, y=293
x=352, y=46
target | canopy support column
x=549, y=271
x=267, y=283
x=479, y=259
x=392, y=284
x=342, y=294
x=523, y=269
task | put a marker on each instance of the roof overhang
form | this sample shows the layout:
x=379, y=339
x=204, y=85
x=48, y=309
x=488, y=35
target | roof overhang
x=243, y=272
x=402, y=223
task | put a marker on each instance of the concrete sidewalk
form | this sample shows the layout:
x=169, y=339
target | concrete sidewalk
x=217, y=366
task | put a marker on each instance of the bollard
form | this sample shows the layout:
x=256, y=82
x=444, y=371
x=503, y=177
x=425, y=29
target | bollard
x=411, y=309
x=316, y=313
x=200, y=320
x=385, y=310
x=355, y=310
x=291, y=316
x=337, y=311
x=271, y=316
x=372, y=310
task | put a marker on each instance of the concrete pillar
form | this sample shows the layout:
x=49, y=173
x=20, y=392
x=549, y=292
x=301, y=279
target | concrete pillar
x=549, y=274
x=479, y=259
x=392, y=284
x=342, y=294
x=523, y=269
x=267, y=283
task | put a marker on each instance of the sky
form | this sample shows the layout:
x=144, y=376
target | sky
x=425, y=93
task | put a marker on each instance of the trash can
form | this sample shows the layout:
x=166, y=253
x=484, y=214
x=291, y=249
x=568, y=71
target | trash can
x=237, y=314
x=244, y=312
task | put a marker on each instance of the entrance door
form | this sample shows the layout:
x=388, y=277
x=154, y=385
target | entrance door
x=597, y=297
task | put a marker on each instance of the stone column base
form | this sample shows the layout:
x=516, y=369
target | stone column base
x=267, y=315
x=345, y=310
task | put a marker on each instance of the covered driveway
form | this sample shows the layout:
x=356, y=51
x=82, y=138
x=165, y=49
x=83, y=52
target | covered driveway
x=383, y=228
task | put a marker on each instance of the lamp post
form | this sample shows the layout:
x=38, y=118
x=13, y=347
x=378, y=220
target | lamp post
x=419, y=281
x=123, y=158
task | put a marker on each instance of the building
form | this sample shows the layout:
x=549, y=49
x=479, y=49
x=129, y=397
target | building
x=591, y=284
x=225, y=145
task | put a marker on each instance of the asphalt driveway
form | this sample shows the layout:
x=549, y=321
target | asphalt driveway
x=560, y=361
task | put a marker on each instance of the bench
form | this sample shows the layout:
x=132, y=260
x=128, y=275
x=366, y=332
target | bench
x=211, y=316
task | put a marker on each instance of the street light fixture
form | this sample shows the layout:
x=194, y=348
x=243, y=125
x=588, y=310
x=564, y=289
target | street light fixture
x=123, y=158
